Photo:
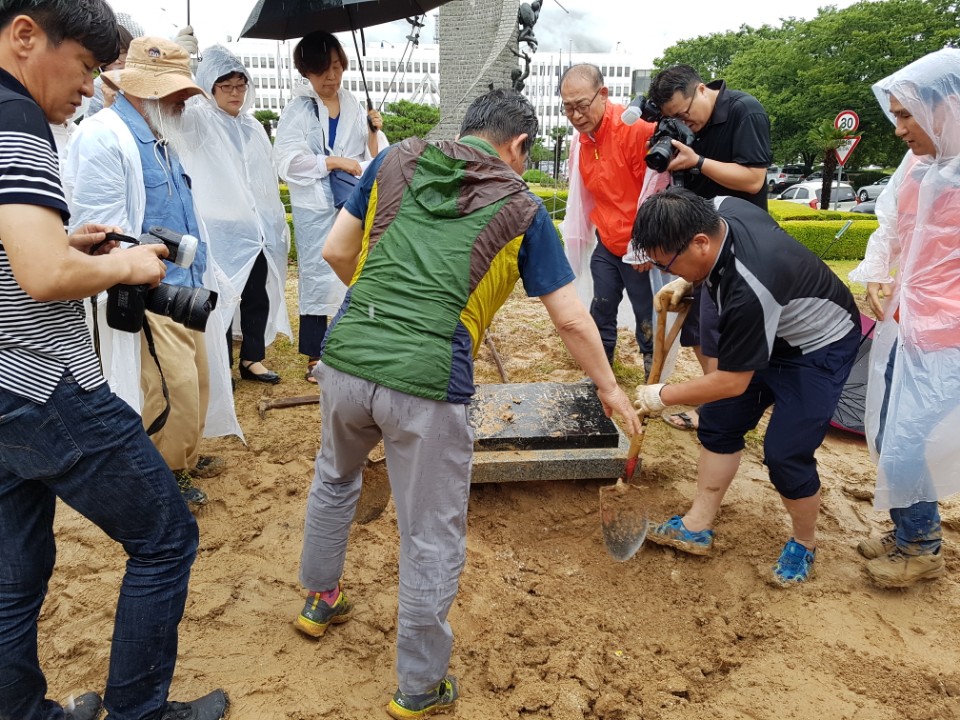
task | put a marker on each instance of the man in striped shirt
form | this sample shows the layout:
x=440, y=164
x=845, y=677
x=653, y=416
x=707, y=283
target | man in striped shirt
x=63, y=433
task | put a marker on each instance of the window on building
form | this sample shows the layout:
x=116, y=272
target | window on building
x=270, y=62
x=376, y=66
x=273, y=83
x=433, y=68
x=393, y=65
x=378, y=87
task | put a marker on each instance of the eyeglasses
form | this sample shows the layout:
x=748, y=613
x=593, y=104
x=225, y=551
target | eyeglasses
x=686, y=113
x=228, y=89
x=580, y=107
x=661, y=266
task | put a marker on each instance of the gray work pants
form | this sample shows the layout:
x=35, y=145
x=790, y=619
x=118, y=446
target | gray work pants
x=429, y=454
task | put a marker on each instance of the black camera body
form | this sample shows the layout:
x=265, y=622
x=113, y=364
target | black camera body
x=191, y=307
x=661, y=150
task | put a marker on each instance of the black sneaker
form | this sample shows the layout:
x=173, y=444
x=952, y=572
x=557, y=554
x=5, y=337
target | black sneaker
x=209, y=707
x=193, y=495
x=317, y=615
x=85, y=707
x=443, y=697
x=208, y=466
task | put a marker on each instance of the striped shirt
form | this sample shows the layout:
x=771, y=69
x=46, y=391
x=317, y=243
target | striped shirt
x=39, y=341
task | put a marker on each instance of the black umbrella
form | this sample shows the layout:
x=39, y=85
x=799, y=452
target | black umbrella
x=285, y=19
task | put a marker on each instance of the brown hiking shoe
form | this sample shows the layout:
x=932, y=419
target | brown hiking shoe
x=898, y=570
x=875, y=547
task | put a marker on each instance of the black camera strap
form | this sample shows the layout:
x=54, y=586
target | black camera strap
x=161, y=419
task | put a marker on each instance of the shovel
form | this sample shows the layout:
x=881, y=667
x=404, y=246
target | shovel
x=623, y=516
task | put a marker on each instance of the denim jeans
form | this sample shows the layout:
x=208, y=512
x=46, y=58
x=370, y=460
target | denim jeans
x=89, y=449
x=611, y=276
x=917, y=528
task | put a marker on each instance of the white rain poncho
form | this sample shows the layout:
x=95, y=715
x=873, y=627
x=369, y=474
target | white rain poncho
x=236, y=191
x=104, y=173
x=918, y=244
x=301, y=146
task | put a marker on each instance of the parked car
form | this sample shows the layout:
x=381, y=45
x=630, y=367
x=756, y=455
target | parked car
x=780, y=177
x=818, y=175
x=870, y=192
x=808, y=193
x=869, y=207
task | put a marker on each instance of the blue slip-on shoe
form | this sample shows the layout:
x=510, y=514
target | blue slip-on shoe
x=795, y=564
x=674, y=533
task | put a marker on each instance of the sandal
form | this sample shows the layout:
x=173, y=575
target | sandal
x=682, y=420
x=308, y=376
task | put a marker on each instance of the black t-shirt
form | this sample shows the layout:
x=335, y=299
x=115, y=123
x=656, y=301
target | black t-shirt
x=776, y=298
x=738, y=132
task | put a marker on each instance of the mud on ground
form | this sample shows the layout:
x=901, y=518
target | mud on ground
x=546, y=624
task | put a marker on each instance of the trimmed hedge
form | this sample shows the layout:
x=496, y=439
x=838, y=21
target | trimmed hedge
x=554, y=200
x=818, y=236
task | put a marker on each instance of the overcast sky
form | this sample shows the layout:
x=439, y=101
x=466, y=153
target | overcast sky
x=645, y=29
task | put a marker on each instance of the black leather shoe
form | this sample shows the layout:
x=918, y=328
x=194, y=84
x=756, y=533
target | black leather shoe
x=269, y=377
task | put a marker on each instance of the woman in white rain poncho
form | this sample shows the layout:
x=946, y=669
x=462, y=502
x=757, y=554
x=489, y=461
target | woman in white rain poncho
x=912, y=271
x=235, y=185
x=323, y=129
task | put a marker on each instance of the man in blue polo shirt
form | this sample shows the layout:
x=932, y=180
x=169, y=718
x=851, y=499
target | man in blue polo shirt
x=789, y=332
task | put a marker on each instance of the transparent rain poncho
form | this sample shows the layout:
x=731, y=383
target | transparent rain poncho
x=913, y=415
x=301, y=147
x=236, y=190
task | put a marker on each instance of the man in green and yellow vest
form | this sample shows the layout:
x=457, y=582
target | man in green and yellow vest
x=430, y=245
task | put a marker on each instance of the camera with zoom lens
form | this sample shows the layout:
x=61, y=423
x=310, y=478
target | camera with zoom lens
x=661, y=150
x=191, y=307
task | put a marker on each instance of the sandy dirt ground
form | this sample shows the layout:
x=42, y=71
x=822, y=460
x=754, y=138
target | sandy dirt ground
x=546, y=624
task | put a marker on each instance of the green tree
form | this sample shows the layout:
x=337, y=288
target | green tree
x=825, y=138
x=266, y=118
x=403, y=119
x=808, y=70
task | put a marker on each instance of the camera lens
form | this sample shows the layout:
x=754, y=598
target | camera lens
x=191, y=307
x=660, y=155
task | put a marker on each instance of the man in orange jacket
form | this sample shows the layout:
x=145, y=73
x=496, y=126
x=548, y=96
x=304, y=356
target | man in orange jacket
x=611, y=168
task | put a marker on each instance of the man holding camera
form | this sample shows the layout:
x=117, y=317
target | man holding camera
x=606, y=177
x=63, y=433
x=729, y=155
x=122, y=166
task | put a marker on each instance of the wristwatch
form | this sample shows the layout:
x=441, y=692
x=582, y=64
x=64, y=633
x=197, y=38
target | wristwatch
x=698, y=168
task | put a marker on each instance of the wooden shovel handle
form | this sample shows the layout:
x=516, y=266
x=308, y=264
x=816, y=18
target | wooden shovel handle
x=662, y=342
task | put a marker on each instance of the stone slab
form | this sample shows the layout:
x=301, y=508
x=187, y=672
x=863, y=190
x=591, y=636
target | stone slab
x=540, y=416
x=565, y=451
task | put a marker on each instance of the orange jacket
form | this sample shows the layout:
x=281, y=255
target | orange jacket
x=612, y=167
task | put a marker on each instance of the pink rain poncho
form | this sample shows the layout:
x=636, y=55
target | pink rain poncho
x=917, y=251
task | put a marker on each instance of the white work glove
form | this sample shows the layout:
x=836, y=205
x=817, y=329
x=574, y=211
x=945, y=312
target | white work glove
x=187, y=40
x=670, y=297
x=648, y=398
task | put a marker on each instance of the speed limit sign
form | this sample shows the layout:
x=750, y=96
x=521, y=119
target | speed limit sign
x=848, y=121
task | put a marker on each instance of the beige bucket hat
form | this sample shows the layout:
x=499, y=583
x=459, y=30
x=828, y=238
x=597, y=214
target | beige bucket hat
x=155, y=68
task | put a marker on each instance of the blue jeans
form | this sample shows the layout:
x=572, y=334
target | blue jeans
x=917, y=528
x=611, y=276
x=89, y=449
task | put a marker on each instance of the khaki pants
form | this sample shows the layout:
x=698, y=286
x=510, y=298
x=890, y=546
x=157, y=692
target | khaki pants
x=183, y=358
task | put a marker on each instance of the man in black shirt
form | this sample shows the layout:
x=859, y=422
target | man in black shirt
x=63, y=433
x=789, y=332
x=729, y=156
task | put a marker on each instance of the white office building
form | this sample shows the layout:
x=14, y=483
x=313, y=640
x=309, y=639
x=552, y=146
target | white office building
x=404, y=72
